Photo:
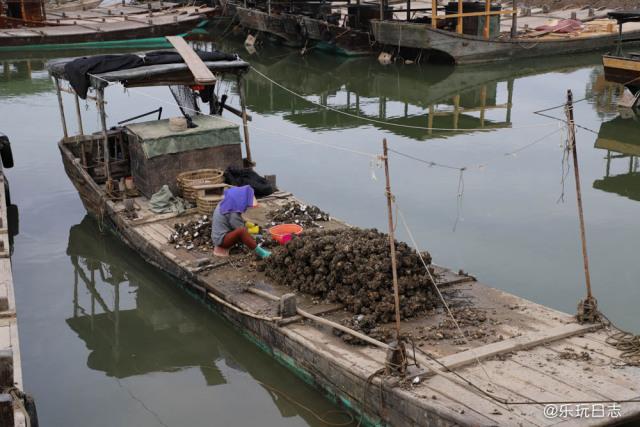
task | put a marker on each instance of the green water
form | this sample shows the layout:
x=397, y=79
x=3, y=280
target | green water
x=107, y=340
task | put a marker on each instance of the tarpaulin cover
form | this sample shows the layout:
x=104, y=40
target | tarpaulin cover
x=564, y=26
x=157, y=139
x=77, y=71
x=240, y=177
x=164, y=202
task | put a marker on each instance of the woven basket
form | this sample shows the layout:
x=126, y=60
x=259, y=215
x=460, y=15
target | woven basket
x=196, y=177
x=206, y=204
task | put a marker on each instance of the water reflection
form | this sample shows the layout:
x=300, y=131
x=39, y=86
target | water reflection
x=135, y=321
x=20, y=77
x=619, y=137
x=404, y=98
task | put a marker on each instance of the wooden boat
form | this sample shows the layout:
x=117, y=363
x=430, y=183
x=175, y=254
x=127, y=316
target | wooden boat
x=462, y=48
x=110, y=27
x=619, y=68
x=310, y=31
x=619, y=137
x=72, y=6
x=499, y=379
x=17, y=409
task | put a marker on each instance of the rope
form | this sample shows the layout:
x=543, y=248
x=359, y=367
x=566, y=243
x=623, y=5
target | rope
x=251, y=126
x=444, y=302
x=627, y=342
x=540, y=113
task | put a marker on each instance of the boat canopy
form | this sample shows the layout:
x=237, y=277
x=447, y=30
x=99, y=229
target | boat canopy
x=164, y=74
x=624, y=17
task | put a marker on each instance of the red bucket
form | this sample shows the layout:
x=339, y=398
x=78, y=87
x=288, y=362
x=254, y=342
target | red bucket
x=282, y=233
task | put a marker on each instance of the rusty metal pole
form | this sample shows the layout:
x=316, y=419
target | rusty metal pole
x=576, y=172
x=392, y=241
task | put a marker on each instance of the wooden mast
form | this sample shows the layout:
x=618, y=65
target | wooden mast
x=392, y=240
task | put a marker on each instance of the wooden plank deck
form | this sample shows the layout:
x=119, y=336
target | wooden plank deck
x=518, y=352
x=9, y=342
x=115, y=24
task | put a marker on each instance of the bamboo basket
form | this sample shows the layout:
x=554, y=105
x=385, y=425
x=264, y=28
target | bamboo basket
x=196, y=177
x=206, y=204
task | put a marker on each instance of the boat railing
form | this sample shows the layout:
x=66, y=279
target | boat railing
x=487, y=14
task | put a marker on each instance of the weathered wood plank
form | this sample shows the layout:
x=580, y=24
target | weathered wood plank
x=201, y=73
x=513, y=344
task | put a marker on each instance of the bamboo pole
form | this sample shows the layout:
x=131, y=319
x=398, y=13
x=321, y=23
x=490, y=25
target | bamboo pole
x=245, y=124
x=487, y=19
x=64, y=121
x=322, y=320
x=105, y=136
x=460, y=12
x=78, y=115
x=576, y=172
x=434, y=13
x=392, y=241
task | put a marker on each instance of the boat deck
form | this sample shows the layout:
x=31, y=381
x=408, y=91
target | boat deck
x=114, y=24
x=514, y=350
x=9, y=344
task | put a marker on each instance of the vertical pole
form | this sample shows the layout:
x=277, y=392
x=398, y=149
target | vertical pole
x=75, y=291
x=116, y=323
x=434, y=13
x=483, y=104
x=79, y=116
x=509, y=99
x=619, y=44
x=487, y=18
x=382, y=10
x=105, y=136
x=392, y=241
x=269, y=7
x=64, y=121
x=460, y=9
x=408, y=10
x=245, y=124
x=514, y=23
x=456, y=110
x=576, y=172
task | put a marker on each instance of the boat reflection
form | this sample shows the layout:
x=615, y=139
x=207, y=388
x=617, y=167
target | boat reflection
x=26, y=77
x=409, y=101
x=135, y=321
x=619, y=137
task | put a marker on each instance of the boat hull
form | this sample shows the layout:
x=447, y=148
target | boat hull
x=466, y=49
x=331, y=374
x=622, y=70
x=77, y=36
x=299, y=31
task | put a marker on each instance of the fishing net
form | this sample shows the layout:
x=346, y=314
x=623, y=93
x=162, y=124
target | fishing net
x=186, y=99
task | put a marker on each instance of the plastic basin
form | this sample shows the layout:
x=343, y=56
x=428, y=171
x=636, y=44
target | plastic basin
x=282, y=233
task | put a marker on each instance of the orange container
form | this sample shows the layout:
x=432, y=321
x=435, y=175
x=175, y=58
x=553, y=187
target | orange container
x=282, y=233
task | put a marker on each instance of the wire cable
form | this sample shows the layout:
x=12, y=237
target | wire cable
x=383, y=122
